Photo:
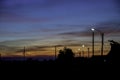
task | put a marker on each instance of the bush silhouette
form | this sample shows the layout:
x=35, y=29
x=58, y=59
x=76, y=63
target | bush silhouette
x=66, y=54
x=114, y=52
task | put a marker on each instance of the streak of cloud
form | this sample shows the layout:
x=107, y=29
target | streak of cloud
x=106, y=27
x=33, y=49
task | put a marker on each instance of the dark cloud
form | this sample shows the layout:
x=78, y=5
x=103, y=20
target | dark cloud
x=22, y=3
x=38, y=48
x=39, y=3
x=5, y=31
x=77, y=34
x=118, y=5
x=1, y=3
x=8, y=50
x=111, y=27
x=33, y=49
x=20, y=42
x=14, y=18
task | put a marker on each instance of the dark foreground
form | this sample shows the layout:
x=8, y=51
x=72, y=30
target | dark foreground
x=63, y=61
x=67, y=62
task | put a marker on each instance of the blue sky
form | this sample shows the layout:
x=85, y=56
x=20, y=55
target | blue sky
x=51, y=22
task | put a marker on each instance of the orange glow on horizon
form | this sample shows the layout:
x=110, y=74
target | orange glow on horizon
x=50, y=51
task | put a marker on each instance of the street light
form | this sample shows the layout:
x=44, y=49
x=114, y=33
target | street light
x=24, y=53
x=93, y=40
x=78, y=49
x=102, y=42
x=92, y=29
x=55, y=52
x=79, y=52
x=83, y=46
x=83, y=50
x=88, y=52
x=102, y=37
x=0, y=56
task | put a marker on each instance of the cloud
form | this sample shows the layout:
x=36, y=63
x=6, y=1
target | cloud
x=14, y=18
x=21, y=42
x=118, y=5
x=36, y=30
x=14, y=51
x=33, y=48
x=108, y=28
x=54, y=28
x=8, y=50
x=1, y=2
x=44, y=3
x=68, y=11
x=76, y=34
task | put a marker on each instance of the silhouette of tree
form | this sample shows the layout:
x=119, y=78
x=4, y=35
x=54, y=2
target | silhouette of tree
x=66, y=55
x=114, y=53
x=61, y=54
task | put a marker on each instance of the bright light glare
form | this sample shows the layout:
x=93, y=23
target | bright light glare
x=83, y=45
x=92, y=29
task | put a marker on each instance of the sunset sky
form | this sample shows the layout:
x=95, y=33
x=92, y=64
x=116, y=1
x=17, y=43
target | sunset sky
x=39, y=23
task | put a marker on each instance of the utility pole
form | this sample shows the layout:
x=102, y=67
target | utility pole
x=0, y=57
x=93, y=42
x=102, y=43
x=55, y=52
x=88, y=52
x=83, y=50
x=24, y=52
x=79, y=52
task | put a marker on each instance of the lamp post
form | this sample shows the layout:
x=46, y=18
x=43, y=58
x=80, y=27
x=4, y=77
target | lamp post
x=92, y=41
x=102, y=39
x=55, y=52
x=102, y=43
x=83, y=50
x=24, y=53
x=88, y=52
x=0, y=56
x=79, y=52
